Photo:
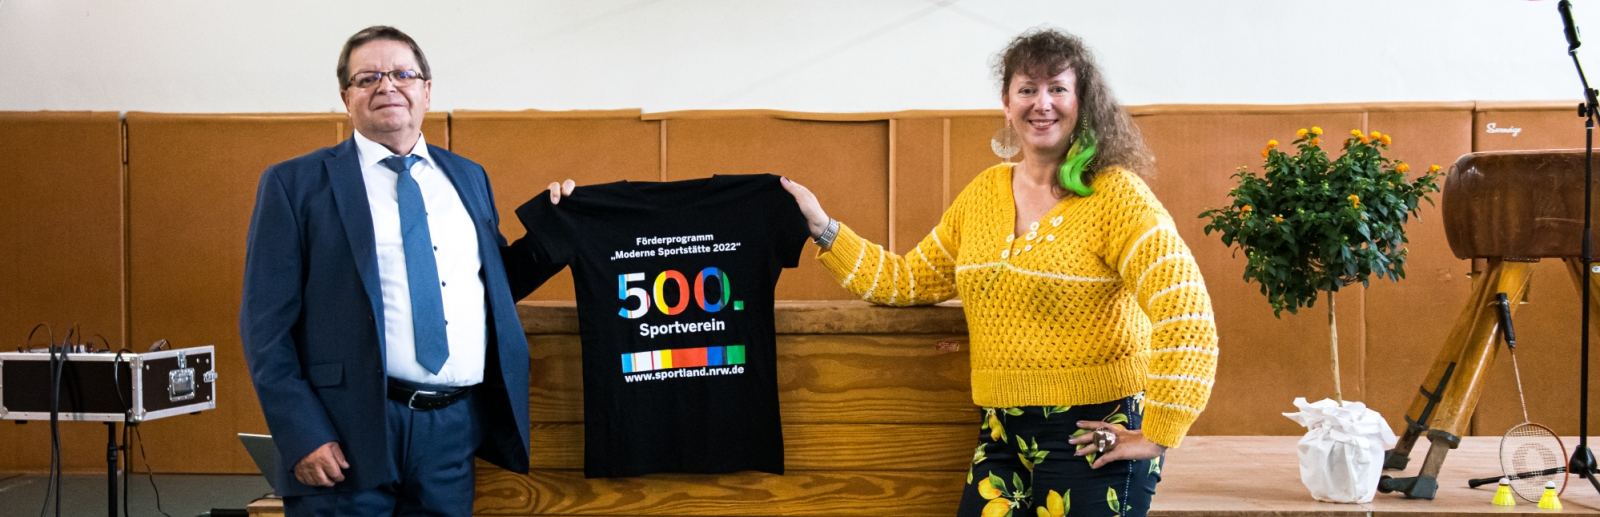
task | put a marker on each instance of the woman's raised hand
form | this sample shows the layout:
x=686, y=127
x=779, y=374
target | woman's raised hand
x=815, y=217
x=560, y=189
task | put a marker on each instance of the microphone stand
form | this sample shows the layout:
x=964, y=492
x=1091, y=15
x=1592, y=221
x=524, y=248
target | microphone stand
x=1583, y=462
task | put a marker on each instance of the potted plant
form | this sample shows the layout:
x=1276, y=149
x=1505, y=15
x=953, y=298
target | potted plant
x=1308, y=226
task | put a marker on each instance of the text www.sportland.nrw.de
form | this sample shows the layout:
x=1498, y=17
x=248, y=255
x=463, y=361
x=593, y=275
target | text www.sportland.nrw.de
x=704, y=371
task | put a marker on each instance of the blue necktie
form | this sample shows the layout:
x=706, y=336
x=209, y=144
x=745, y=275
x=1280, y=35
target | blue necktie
x=422, y=271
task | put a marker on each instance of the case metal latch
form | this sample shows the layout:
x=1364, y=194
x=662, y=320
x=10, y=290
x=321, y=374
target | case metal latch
x=180, y=381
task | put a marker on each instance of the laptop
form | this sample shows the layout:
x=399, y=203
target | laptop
x=265, y=454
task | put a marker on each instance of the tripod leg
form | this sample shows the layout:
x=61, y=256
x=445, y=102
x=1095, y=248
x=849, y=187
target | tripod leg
x=111, y=467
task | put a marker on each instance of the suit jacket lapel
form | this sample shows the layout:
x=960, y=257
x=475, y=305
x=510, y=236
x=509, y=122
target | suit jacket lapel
x=350, y=194
x=465, y=189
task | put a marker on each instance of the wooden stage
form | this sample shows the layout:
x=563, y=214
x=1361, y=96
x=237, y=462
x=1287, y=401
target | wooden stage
x=1260, y=476
x=1248, y=476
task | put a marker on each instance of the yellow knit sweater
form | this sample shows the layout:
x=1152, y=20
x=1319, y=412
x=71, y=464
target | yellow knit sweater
x=1101, y=300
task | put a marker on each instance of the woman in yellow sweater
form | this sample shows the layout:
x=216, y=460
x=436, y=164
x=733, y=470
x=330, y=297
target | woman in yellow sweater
x=1093, y=343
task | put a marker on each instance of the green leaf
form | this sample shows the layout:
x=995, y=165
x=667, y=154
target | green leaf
x=996, y=482
x=1013, y=412
x=1111, y=499
x=1117, y=418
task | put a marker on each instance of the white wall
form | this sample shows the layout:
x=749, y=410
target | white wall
x=824, y=55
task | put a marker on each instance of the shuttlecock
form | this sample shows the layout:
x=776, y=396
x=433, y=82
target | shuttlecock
x=1549, y=501
x=1502, y=495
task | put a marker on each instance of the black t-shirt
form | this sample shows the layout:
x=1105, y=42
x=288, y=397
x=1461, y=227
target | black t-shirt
x=674, y=284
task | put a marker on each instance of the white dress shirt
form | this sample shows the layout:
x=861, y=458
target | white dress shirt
x=455, y=247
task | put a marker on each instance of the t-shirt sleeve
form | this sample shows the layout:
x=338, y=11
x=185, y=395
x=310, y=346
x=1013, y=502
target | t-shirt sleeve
x=790, y=230
x=547, y=238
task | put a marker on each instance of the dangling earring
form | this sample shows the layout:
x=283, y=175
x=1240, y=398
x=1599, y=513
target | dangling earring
x=1006, y=143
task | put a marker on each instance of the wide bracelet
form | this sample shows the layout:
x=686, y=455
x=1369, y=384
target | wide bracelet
x=828, y=234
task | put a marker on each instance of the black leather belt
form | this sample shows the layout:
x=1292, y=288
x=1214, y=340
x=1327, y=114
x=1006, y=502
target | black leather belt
x=425, y=398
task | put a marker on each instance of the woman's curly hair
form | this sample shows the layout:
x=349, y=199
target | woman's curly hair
x=1046, y=52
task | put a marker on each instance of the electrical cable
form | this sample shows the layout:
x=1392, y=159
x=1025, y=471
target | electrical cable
x=127, y=417
x=28, y=343
x=148, y=471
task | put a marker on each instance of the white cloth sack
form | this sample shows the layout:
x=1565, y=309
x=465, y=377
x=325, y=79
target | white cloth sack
x=1341, y=457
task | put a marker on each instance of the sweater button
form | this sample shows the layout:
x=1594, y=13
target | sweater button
x=1011, y=237
x=1005, y=254
x=1031, y=235
x=1034, y=227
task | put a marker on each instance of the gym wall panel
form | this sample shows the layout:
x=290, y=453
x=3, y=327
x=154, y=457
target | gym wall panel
x=844, y=163
x=191, y=190
x=970, y=153
x=1265, y=362
x=919, y=173
x=61, y=247
x=1408, y=321
x=523, y=152
x=1547, y=324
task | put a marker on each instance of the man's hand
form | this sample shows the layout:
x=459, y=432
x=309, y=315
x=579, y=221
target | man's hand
x=560, y=189
x=1130, y=444
x=323, y=467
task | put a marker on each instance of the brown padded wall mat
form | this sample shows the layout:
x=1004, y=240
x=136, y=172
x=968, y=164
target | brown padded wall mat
x=1408, y=321
x=918, y=189
x=60, y=254
x=523, y=152
x=1196, y=155
x=192, y=182
x=191, y=189
x=844, y=163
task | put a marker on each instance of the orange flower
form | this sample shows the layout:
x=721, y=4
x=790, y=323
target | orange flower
x=1277, y=219
x=1316, y=141
x=1316, y=130
x=1272, y=144
x=1301, y=133
x=1386, y=140
x=1402, y=168
x=1264, y=152
x=1245, y=209
x=1355, y=132
x=1355, y=200
x=1376, y=135
x=1433, y=168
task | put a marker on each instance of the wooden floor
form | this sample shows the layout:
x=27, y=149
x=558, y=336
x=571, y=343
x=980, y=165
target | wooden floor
x=1241, y=476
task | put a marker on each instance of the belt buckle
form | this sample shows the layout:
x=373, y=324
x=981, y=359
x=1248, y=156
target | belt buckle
x=412, y=402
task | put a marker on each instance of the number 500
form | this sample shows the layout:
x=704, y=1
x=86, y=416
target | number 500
x=625, y=293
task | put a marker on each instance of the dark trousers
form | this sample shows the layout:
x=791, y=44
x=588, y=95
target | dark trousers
x=432, y=450
x=1024, y=466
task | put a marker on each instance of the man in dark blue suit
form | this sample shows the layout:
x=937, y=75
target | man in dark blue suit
x=378, y=317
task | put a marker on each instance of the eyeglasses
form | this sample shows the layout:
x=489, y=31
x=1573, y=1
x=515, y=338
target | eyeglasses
x=400, y=78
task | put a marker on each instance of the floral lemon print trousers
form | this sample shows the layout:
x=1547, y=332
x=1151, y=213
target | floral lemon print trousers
x=1025, y=467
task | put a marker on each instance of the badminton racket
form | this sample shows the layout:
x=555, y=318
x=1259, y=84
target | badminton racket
x=1530, y=454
